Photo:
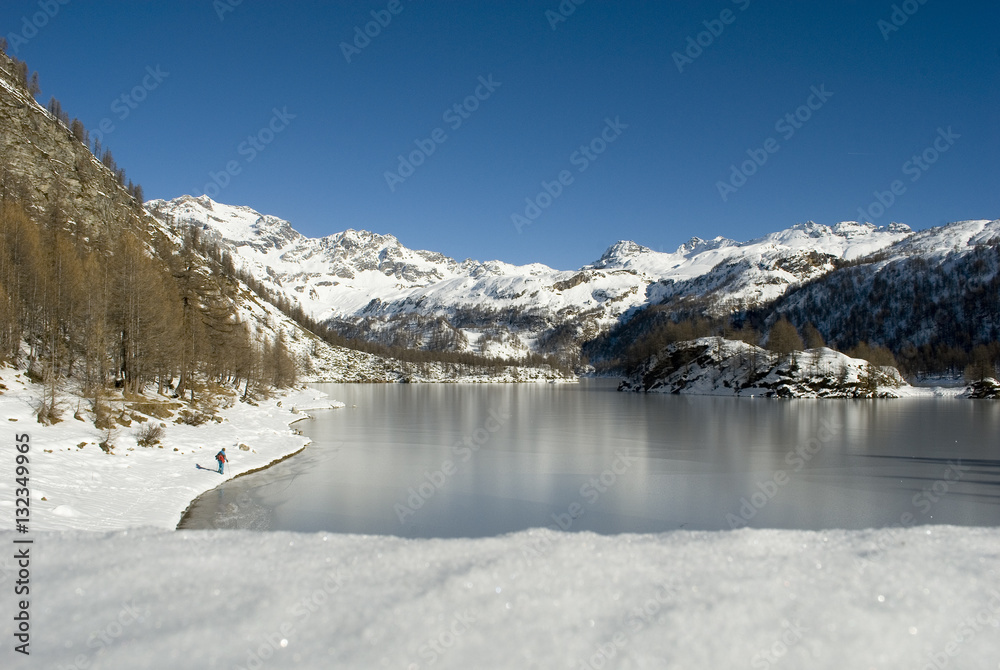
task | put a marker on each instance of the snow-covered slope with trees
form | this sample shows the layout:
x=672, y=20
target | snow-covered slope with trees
x=938, y=289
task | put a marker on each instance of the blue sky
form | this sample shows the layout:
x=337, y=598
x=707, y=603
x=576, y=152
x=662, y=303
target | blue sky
x=327, y=131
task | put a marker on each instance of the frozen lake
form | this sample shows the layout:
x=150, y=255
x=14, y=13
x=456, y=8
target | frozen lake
x=445, y=460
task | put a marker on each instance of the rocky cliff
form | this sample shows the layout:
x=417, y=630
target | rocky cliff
x=44, y=165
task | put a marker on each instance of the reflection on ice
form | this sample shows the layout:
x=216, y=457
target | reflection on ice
x=483, y=460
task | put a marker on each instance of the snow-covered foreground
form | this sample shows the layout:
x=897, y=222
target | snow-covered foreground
x=924, y=597
x=75, y=485
x=129, y=597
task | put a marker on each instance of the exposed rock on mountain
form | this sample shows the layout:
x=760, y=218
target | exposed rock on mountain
x=43, y=165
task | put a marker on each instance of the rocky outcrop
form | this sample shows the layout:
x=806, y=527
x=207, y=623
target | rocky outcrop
x=988, y=388
x=716, y=366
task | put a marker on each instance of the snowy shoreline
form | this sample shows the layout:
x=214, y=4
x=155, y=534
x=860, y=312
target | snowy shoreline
x=187, y=510
x=76, y=486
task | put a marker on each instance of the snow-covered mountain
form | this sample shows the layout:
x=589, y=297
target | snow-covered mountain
x=381, y=287
x=937, y=288
x=728, y=275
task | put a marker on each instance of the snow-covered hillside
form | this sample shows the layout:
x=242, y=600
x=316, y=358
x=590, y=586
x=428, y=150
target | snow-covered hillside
x=938, y=287
x=716, y=366
x=372, y=279
x=338, y=275
x=318, y=361
x=940, y=241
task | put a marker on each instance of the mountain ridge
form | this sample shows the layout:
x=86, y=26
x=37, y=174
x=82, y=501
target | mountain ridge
x=366, y=282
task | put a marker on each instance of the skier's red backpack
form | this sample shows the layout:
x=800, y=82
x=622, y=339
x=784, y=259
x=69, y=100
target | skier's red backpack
x=221, y=456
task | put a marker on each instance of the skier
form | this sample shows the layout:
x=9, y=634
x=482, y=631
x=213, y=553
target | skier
x=221, y=457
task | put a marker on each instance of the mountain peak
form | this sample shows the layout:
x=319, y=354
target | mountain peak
x=620, y=253
x=352, y=236
x=626, y=248
x=813, y=229
x=238, y=224
x=696, y=245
